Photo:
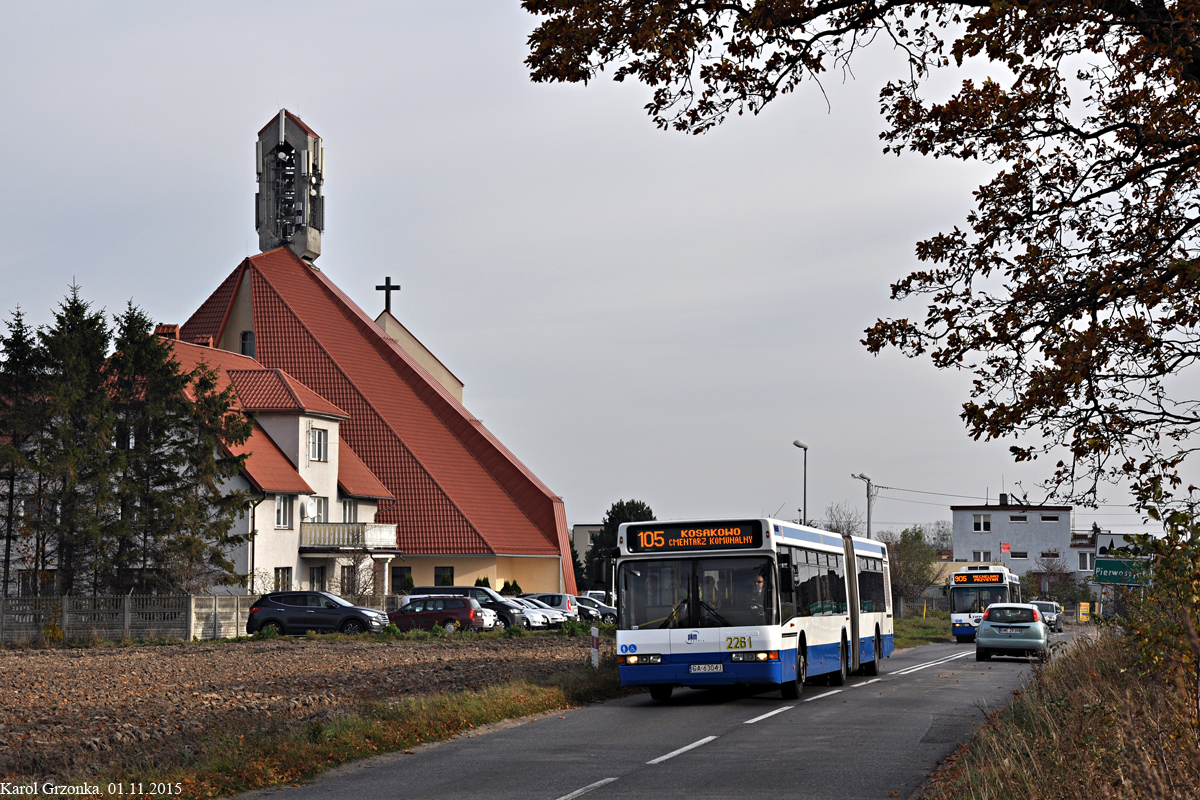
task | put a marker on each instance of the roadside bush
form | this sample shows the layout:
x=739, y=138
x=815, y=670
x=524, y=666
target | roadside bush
x=269, y=632
x=514, y=632
x=391, y=630
x=573, y=628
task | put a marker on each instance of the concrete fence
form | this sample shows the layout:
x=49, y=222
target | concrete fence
x=134, y=616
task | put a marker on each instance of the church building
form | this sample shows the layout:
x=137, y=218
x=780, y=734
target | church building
x=406, y=456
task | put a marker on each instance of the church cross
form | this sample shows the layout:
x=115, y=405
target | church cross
x=387, y=287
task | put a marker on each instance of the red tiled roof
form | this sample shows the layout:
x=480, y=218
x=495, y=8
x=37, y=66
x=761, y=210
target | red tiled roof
x=268, y=390
x=267, y=468
x=294, y=119
x=355, y=478
x=209, y=319
x=457, y=488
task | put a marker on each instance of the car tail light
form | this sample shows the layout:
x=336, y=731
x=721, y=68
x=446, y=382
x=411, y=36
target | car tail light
x=570, y=605
x=256, y=609
x=986, y=612
x=1036, y=616
x=471, y=614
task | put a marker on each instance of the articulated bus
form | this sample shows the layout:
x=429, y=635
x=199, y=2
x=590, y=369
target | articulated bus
x=972, y=590
x=717, y=602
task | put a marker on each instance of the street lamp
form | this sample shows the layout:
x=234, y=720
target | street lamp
x=804, y=508
x=862, y=476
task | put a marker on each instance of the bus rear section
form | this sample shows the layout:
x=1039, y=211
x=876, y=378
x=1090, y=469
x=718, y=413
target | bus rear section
x=701, y=621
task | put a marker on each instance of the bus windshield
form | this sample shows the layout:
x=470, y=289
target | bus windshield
x=697, y=593
x=974, y=599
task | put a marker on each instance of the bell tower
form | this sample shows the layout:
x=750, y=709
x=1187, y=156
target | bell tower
x=289, y=208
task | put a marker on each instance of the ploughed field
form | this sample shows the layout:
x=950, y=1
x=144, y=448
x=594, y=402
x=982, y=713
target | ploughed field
x=65, y=709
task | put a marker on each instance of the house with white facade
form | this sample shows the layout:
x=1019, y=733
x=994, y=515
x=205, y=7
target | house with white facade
x=311, y=521
x=1015, y=535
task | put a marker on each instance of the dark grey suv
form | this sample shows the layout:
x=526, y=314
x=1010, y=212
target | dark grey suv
x=295, y=613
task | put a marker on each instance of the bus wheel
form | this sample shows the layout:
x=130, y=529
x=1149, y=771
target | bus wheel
x=661, y=691
x=791, y=689
x=839, y=678
x=872, y=667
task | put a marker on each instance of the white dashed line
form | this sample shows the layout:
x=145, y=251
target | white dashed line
x=768, y=714
x=818, y=697
x=931, y=664
x=674, y=753
x=586, y=789
x=866, y=683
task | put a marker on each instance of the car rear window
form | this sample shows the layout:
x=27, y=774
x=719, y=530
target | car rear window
x=1009, y=614
x=1048, y=607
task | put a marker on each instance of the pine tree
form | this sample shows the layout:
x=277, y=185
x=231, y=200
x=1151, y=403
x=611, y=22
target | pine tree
x=74, y=447
x=19, y=420
x=153, y=418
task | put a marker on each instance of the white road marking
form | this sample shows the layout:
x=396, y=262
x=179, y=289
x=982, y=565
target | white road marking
x=586, y=789
x=674, y=753
x=818, y=697
x=931, y=664
x=866, y=683
x=768, y=714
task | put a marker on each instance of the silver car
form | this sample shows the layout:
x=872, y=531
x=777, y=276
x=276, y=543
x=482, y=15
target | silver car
x=1051, y=614
x=554, y=618
x=1012, y=629
x=562, y=603
x=534, y=618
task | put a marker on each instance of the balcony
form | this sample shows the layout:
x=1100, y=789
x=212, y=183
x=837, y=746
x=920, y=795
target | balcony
x=1083, y=540
x=347, y=536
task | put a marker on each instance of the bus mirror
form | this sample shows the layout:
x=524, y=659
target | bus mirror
x=599, y=571
x=786, y=578
x=945, y=591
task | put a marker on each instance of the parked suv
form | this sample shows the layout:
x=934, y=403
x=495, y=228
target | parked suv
x=452, y=612
x=506, y=614
x=294, y=613
x=565, y=603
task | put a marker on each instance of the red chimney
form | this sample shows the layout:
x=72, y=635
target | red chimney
x=167, y=331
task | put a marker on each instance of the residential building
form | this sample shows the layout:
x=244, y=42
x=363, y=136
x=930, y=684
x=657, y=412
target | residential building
x=1021, y=537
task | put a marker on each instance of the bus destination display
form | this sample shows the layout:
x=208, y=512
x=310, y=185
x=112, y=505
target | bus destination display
x=704, y=536
x=980, y=577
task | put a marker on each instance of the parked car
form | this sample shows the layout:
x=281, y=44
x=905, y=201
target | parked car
x=488, y=598
x=554, y=617
x=1051, y=614
x=608, y=614
x=598, y=595
x=565, y=603
x=452, y=612
x=586, y=613
x=295, y=613
x=1011, y=629
x=534, y=617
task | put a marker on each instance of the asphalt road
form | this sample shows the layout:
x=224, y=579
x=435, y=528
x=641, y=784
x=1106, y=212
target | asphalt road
x=868, y=739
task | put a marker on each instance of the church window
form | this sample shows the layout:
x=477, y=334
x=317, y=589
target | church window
x=248, y=343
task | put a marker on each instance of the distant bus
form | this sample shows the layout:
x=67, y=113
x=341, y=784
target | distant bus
x=760, y=601
x=974, y=589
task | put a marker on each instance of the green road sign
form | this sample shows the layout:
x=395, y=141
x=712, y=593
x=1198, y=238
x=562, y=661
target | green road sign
x=1125, y=571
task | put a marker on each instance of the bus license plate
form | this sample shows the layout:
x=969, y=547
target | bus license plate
x=707, y=668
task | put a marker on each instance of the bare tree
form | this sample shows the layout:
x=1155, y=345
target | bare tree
x=842, y=518
x=940, y=535
x=356, y=577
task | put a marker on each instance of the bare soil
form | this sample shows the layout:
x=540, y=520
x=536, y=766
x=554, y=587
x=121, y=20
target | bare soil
x=66, y=709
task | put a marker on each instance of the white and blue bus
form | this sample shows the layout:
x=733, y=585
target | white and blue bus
x=975, y=588
x=711, y=602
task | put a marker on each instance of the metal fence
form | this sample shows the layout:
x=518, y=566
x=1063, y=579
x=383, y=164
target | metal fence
x=134, y=616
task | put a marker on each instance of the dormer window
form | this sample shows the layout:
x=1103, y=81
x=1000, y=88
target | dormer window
x=318, y=444
x=248, y=343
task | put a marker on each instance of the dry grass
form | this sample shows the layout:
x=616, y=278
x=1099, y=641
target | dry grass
x=916, y=631
x=1088, y=726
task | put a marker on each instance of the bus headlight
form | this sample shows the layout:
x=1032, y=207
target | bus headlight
x=640, y=658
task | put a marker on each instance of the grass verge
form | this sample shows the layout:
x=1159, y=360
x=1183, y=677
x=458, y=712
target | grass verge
x=1087, y=726
x=916, y=631
x=225, y=763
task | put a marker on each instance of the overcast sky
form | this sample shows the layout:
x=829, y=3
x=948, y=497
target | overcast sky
x=636, y=314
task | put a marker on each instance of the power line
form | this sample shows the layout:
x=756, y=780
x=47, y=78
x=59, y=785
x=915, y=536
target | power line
x=975, y=497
